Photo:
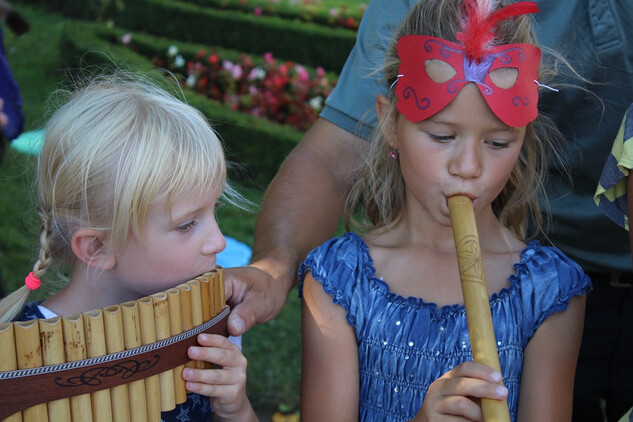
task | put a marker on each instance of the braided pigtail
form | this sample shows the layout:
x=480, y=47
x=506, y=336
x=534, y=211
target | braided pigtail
x=11, y=305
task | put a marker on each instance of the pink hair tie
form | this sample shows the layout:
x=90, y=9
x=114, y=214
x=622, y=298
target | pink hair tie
x=32, y=282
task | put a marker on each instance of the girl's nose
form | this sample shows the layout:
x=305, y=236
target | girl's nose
x=466, y=161
x=215, y=241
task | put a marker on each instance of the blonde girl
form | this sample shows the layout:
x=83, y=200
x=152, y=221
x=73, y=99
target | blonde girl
x=128, y=181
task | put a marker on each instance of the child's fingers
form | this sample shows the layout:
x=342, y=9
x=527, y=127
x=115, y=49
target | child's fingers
x=214, y=376
x=214, y=382
x=218, y=350
x=460, y=408
x=473, y=387
x=455, y=395
x=216, y=340
x=225, y=397
x=476, y=370
x=471, y=379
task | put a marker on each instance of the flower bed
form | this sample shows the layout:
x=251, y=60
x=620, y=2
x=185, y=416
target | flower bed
x=282, y=92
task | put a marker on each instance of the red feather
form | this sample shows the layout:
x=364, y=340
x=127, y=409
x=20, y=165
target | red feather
x=477, y=32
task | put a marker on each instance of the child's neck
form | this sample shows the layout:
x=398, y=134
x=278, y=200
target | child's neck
x=419, y=259
x=84, y=292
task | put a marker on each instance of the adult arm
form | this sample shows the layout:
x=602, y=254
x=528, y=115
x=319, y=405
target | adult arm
x=329, y=360
x=549, y=366
x=303, y=204
x=300, y=210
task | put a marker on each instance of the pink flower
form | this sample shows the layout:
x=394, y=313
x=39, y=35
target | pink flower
x=333, y=12
x=268, y=58
x=258, y=11
x=302, y=72
x=256, y=73
x=227, y=65
x=236, y=71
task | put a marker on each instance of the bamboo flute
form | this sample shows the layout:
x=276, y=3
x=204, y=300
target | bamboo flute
x=175, y=328
x=132, y=337
x=161, y=318
x=148, y=336
x=115, y=342
x=208, y=307
x=8, y=360
x=96, y=346
x=197, y=317
x=29, y=355
x=52, y=341
x=75, y=348
x=476, y=302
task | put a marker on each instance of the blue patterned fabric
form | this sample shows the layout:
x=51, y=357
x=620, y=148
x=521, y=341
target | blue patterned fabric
x=404, y=344
x=611, y=192
x=196, y=408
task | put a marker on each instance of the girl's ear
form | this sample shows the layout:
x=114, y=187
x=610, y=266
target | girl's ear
x=382, y=110
x=88, y=246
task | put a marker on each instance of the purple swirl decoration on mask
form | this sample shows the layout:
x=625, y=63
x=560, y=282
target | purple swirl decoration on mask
x=452, y=87
x=517, y=101
x=445, y=51
x=506, y=59
x=409, y=91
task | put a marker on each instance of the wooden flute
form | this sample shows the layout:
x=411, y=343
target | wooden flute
x=476, y=301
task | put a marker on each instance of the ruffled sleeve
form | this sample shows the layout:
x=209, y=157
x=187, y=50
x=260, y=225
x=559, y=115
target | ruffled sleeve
x=341, y=266
x=548, y=280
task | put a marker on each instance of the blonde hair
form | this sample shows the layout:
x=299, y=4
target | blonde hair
x=380, y=191
x=117, y=144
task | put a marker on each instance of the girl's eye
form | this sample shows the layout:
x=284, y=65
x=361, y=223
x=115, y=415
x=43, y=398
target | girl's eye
x=441, y=138
x=498, y=144
x=186, y=227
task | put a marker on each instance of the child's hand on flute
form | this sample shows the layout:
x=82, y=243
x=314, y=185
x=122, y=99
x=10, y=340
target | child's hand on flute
x=226, y=385
x=456, y=394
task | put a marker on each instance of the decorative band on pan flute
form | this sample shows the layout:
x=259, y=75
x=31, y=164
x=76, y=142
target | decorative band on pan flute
x=119, y=363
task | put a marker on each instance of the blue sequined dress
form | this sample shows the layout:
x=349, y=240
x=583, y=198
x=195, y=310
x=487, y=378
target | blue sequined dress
x=404, y=344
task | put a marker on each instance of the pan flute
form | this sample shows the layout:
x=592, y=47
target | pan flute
x=119, y=363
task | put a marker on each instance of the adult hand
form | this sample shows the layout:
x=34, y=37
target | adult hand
x=296, y=216
x=257, y=294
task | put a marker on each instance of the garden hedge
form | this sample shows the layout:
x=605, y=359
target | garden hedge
x=305, y=11
x=302, y=42
x=256, y=144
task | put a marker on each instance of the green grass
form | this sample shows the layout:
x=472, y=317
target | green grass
x=272, y=349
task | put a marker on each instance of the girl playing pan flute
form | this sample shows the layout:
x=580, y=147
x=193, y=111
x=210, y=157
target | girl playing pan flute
x=385, y=335
x=128, y=181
